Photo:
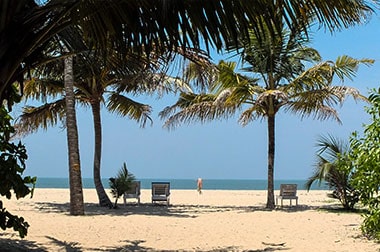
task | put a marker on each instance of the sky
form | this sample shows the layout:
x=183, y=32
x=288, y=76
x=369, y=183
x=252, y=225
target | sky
x=220, y=149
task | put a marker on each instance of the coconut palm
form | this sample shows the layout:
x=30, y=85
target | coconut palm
x=121, y=183
x=334, y=167
x=97, y=81
x=76, y=193
x=100, y=80
x=278, y=79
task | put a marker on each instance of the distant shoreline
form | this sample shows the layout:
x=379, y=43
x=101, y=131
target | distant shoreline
x=212, y=184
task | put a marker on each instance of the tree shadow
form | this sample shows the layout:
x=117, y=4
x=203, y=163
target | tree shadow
x=137, y=246
x=338, y=208
x=68, y=246
x=16, y=245
x=174, y=210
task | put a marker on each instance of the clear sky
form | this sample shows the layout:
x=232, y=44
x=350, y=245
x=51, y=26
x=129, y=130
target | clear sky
x=219, y=149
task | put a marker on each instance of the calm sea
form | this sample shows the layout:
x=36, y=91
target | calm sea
x=213, y=184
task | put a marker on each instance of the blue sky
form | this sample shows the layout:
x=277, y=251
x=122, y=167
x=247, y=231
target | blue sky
x=219, y=149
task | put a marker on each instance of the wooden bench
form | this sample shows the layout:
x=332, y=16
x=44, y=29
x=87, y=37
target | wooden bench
x=133, y=193
x=287, y=191
x=161, y=192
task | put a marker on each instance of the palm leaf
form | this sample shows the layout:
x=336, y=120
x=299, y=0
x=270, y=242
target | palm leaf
x=127, y=107
x=44, y=116
x=346, y=67
x=42, y=89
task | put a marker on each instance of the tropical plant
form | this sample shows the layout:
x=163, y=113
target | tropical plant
x=334, y=167
x=121, y=183
x=12, y=166
x=278, y=79
x=365, y=155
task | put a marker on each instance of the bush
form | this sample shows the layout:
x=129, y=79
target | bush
x=334, y=167
x=365, y=155
x=121, y=183
x=12, y=165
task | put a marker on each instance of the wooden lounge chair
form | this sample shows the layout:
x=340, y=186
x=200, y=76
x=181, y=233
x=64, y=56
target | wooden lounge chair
x=161, y=192
x=287, y=191
x=133, y=193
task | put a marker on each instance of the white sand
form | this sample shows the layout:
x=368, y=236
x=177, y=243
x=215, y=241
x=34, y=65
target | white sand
x=217, y=220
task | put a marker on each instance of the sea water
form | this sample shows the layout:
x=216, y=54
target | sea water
x=211, y=184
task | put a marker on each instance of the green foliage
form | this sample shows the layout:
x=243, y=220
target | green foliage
x=365, y=154
x=12, y=165
x=121, y=183
x=335, y=168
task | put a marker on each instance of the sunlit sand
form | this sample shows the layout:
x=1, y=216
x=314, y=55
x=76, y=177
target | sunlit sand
x=216, y=220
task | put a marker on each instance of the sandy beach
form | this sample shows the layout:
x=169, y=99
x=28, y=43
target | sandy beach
x=216, y=220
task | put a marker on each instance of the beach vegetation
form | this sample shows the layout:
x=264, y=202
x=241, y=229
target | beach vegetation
x=279, y=71
x=365, y=155
x=12, y=165
x=334, y=167
x=121, y=183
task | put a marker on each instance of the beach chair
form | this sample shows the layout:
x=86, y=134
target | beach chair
x=133, y=193
x=161, y=192
x=287, y=191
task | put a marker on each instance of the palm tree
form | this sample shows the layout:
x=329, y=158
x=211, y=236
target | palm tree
x=334, y=167
x=98, y=80
x=278, y=80
x=76, y=192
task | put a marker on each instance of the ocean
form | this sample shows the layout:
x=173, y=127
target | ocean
x=211, y=184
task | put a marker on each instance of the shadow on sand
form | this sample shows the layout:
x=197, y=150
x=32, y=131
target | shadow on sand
x=10, y=245
x=177, y=211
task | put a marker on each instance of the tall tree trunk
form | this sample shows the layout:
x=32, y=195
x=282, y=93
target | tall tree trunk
x=76, y=190
x=103, y=198
x=271, y=149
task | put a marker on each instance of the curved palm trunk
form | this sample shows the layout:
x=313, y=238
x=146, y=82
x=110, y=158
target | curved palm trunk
x=271, y=149
x=76, y=191
x=103, y=198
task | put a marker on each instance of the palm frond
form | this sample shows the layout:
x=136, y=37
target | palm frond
x=252, y=113
x=127, y=107
x=346, y=66
x=192, y=108
x=200, y=75
x=329, y=166
x=122, y=182
x=47, y=115
x=42, y=89
x=330, y=147
x=319, y=102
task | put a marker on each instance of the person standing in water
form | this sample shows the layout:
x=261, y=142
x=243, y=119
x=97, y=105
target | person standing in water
x=199, y=185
